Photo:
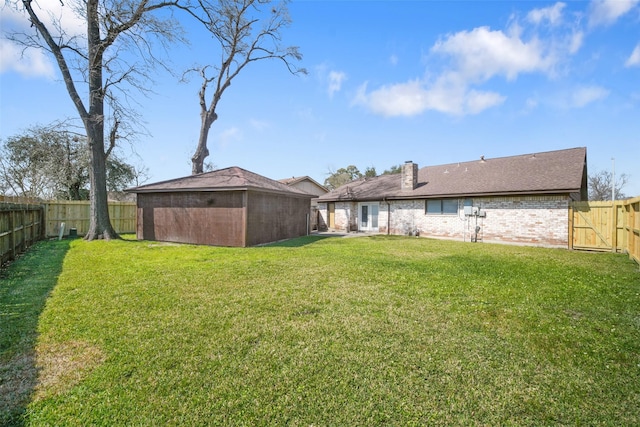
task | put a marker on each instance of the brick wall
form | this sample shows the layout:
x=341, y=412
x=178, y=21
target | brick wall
x=530, y=220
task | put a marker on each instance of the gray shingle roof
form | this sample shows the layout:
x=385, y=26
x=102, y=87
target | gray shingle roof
x=296, y=179
x=559, y=171
x=232, y=178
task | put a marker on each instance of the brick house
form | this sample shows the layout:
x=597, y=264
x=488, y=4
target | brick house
x=519, y=199
x=226, y=207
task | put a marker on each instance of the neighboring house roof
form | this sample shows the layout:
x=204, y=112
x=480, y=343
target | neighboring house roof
x=232, y=178
x=552, y=172
x=293, y=181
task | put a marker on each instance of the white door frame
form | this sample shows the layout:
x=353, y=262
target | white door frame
x=368, y=214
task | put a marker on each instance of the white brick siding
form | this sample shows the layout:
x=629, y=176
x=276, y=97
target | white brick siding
x=530, y=220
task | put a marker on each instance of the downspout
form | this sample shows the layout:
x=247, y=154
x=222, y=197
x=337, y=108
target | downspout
x=384, y=199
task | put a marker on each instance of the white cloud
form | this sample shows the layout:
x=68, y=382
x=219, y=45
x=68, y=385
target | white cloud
x=540, y=43
x=634, y=59
x=478, y=101
x=551, y=14
x=482, y=53
x=575, y=41
x=475, y=57
x=59, y=19
x=586, y=95
x=403, y=99
x=393, y=60
x=606, y=12
x=30, y=63
x=415, y=97
x=335, y=81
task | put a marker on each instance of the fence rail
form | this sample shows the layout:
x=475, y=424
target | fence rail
x=606, y=226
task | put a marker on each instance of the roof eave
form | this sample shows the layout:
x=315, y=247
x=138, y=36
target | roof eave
x=216, y=189
x=452, y=195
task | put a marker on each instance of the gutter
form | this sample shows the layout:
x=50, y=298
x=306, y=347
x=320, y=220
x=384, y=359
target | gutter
x=384, y=199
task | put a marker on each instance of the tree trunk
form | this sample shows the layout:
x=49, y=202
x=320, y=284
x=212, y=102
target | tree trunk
x=197, y=161
x=99, y=225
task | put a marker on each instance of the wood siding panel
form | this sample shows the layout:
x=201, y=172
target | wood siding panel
x=205, y=218
x=272, y=217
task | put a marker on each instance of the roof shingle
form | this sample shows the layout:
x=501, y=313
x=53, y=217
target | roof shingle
x=548, y=172
x=232, y=178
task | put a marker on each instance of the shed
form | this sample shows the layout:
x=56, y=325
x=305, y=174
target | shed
x=226, y=207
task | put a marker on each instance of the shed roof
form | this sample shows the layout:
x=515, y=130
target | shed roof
x=231, y=178
x=552, y=172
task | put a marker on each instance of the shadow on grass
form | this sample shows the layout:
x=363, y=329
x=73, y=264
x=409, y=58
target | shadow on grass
x=24, y=287
x=302, y=241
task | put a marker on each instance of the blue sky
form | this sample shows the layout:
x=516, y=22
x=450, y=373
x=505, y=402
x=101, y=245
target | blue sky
x=430, y=81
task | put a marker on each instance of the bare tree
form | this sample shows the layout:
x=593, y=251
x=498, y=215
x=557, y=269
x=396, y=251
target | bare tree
x=95, y=59
x=247, y=31
x=600, y=184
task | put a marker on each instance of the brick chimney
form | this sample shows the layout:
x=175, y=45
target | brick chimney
x=409, y=176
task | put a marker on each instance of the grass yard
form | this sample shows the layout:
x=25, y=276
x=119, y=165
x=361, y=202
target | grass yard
x=380, y=330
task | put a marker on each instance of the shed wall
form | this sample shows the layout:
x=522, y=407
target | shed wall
x=273, y=217
x=205, y=218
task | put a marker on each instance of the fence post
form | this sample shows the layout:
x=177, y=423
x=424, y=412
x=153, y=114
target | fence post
x=614, y=220
x=570, y=245
x=12, y=235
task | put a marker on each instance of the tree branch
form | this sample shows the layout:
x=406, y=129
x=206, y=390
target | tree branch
x=56, y=50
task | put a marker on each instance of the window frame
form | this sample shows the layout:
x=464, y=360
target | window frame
x=442, y=208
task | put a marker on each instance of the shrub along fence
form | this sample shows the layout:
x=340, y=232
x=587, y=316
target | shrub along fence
x=24, y=221
x=606, y=226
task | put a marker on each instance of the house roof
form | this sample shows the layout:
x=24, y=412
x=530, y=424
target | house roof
x=552, y=172
x=232, y=178
x=295, y=180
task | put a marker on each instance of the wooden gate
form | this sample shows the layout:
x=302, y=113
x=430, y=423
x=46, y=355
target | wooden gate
x=593, y=225
x=606, y=226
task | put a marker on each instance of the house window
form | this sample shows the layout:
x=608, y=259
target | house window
x=441, y=207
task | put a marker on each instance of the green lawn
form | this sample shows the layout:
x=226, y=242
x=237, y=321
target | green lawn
x=360, y=331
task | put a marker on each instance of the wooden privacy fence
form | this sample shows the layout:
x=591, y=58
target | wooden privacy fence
x=20, y=227
x=606, y=226
x=21, y=224
x=76, y=214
